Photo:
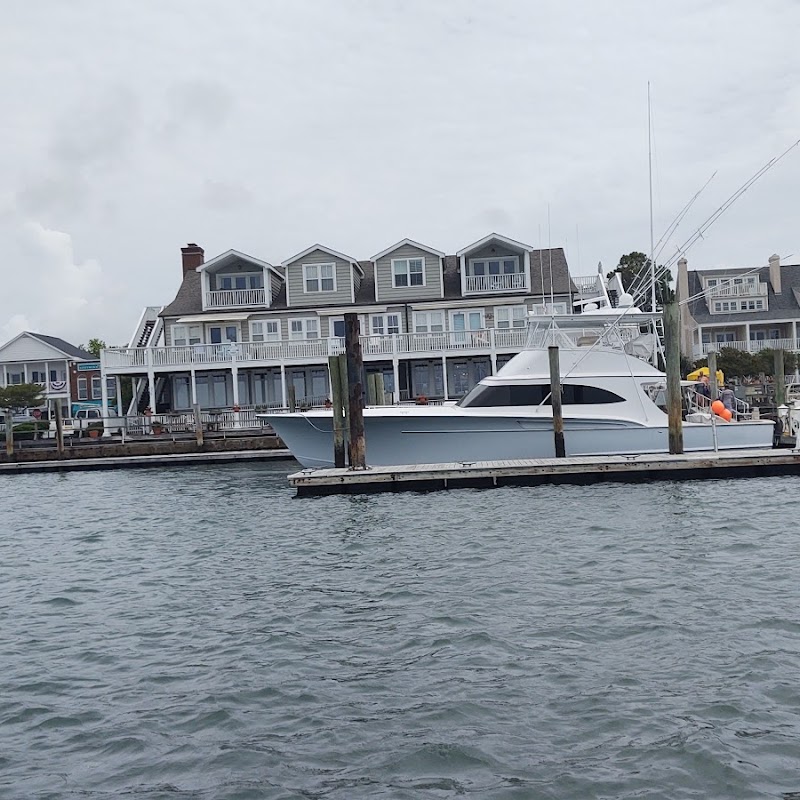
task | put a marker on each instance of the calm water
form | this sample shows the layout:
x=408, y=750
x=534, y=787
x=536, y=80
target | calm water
x=199, y=633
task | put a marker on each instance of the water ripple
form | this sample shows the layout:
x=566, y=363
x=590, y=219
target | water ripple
x=198, y=633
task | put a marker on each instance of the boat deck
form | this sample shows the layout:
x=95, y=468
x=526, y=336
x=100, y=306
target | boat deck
x=535, y=471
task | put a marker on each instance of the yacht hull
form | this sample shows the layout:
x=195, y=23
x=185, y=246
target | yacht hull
x=437, y=437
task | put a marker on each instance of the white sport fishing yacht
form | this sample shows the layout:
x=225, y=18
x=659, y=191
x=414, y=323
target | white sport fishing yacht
x=612, y=401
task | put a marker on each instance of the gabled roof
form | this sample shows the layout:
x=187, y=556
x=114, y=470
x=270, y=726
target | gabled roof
x=403, y=243
x=234, y=255
x=76, y=353
x=334, y=253
x=780, y=306
x=489, y=238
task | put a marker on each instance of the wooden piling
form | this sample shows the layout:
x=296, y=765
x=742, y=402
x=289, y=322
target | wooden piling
x=355, y=392
x=342, y=358
x=380, y=389
x=555, y=402
x=198, y=424
x=9, y=434
x=291, y=397
x=337, y=402
x=672, y=356
x=59, y=429
x=780, y=379
x=713, y=385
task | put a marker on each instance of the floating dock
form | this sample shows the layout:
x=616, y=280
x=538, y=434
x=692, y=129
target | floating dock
x=157, y=460
x=536, y=471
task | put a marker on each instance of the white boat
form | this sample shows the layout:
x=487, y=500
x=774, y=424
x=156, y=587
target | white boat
x=610, y=400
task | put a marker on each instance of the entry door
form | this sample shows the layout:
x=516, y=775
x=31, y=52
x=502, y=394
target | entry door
x=463, y=322
x=223, y=333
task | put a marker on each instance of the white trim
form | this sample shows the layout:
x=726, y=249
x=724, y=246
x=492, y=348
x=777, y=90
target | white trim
x=485, y=300
x=441, y=275
x=486, y=239
x=409, y=285
x=407, y=243
x=223, y=326
x=384, y=316
x=320, y=279
x=264, y=333
x=53, y=347
x=334, y=253
x=335, y=311
x=304, y=337
x=229, y=255
x=427, y=314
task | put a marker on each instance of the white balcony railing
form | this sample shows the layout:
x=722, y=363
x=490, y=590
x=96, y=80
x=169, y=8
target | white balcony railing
x=235, y=298
x=752, y=346
x=509, y=282
x=142, y=359
x=737, y=290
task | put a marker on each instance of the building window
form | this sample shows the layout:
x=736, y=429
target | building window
x=97, y=387
x=319, y=278
x=38, y=377
x=265, y=331
x=428, y=321
x=111, y=387
x=83, y=388
x=381, y=324
x=507, y=265
x=510, y=316
x=408, y=272
x=186, y=334
x=307, y=328
x=15, y=378
x=249, y=281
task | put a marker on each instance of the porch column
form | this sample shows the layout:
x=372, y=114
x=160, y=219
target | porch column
x=5, y=375
x=118, y=384
x=134, y=398
x=193, y=384
x=747, y=334
x=493, y=357
x=396, y=377
x=104, y=401
x=794, y=335
x=47, y=381
x=444, y=377
x=25, y=372
x=284, y=397
x=235, y=374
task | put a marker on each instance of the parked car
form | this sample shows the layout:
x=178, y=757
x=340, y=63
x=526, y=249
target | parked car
x=86, y=419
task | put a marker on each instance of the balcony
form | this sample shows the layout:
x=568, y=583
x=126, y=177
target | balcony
x=235, y=298
x=311, y=351
x=753, y=346
x=488, y=284
x=737, y=290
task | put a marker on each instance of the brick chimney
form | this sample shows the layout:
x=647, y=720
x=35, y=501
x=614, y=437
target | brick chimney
x=192, y=256
x=775, y=273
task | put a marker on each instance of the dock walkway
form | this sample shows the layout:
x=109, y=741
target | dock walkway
x=155, y=460
x=532, y=472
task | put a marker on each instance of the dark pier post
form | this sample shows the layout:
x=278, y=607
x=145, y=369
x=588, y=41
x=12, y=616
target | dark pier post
x=555, y=402
x=9, y=434
x=672, y=355
x=291, y=397
x=780, y=379
x=380, y=390
x=337, y=401
x=355, y=391
x=712, y=375
x=59, y=429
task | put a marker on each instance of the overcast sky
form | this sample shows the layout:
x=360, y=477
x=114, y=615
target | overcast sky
x=132, y=127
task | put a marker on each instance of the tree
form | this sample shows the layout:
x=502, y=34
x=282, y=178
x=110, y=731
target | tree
x=21, y=395
x=94, y=347
x=740, y=364
x=634, y=271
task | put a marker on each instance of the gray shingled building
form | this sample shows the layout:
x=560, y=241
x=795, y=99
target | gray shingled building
x=241, y=330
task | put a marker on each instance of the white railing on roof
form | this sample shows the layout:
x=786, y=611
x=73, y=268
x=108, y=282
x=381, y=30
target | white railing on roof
x=508, y=282
x=235, y=298
x=737, y=290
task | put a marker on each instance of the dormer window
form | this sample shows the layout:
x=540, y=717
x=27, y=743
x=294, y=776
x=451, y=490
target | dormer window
x=408, y=272
x=319, y=278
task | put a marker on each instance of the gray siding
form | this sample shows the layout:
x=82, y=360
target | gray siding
x=238, y=267
x=495, y=249
x=344, y=282
x=383, y=277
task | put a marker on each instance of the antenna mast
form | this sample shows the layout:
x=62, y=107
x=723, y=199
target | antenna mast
x=650, y=175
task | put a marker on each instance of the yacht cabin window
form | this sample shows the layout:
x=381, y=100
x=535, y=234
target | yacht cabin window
x=485, y=396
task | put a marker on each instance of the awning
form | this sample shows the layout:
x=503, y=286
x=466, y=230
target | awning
x=212, y=317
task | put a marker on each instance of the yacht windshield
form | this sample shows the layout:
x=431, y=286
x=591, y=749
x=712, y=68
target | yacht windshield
x=487, y=396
